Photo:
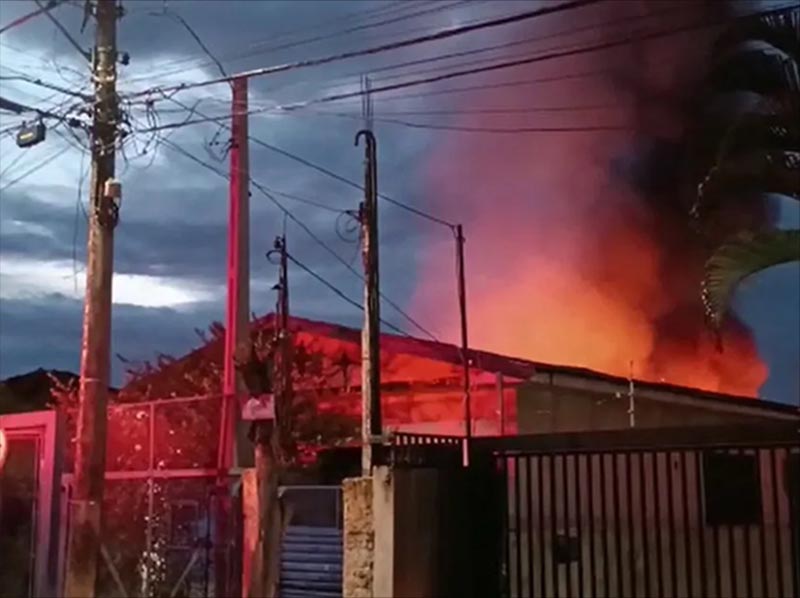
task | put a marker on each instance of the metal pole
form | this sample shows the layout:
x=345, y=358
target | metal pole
x=283, y=360
x=501, y=391
x=371, y=427
x=85, y=530
x=462, y=307
x=631, y=400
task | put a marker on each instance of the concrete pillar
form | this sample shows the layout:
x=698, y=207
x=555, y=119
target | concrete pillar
x=383, y=517
x=359, y=538
x=250, y=525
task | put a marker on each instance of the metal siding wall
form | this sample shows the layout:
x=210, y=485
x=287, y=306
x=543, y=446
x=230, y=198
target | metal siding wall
x=311, y=562
x=636, y=520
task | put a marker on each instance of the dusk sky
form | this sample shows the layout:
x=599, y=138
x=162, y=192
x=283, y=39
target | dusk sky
x=171, y=241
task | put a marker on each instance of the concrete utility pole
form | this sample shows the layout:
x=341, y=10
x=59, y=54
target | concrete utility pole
x=371, y=333
x=237, y=318
x=237, y=315
x=83, y=544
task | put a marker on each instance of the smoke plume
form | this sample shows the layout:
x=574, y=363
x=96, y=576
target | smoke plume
x=580, y=250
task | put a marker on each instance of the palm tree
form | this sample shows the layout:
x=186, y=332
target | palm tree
x=759, y=60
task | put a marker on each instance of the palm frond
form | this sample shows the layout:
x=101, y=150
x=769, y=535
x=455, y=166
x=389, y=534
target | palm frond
x=757, y=71
x=733, y=262
x=755, y=171
x=780, y=30
x=775, y=128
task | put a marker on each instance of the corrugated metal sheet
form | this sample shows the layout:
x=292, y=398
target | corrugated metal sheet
x=311, y=562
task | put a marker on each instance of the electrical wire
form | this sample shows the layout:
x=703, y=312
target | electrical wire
x=40, y=83
x=336, y=176
x=43, y=63
x=498, y=85
x=355, y=28
x=63, y=30
x=35, y=168
x=478, y=70
x=467, y=129
x=435, y=36
x=346, y=181
x=25, y=18
x=493, y=48
x=289, y=214
x=492, y=111
x=259, y=47
x=340, y=294
x=21, y=154
x=83, y=172
x=174, y=15
x=310, y=202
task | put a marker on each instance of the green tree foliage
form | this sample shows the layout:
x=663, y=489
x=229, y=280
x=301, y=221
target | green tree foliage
x=759, y=153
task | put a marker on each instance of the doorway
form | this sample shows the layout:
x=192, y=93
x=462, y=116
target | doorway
x=28, y=511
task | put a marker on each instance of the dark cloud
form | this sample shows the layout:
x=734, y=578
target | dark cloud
x=46, y=332
x=174, y=213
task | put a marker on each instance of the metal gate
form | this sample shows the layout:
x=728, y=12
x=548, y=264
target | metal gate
x=654, y=513
x=311, y=554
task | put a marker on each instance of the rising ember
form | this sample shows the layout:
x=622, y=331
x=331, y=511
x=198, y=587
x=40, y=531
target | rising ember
x=580, y=250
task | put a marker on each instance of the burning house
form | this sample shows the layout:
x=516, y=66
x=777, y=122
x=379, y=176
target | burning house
x=162, y=478
x=422, y=388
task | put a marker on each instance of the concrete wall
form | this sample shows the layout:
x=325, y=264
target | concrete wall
x=407, y=541
x=436, y=533
x=358, y=538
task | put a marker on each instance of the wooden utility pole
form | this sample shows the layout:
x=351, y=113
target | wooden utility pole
x=462, y=308
x=83, y=543
x=370, y=334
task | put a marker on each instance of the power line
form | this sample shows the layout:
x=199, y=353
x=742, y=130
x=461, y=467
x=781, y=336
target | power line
x=340, y=294
x=347, y=181
x=435, y=36
x=503, y=111
x=64, y=31
x=24, y=18
x=33, y=169
x=21, y=108
x=310, y=202
x=258, y=47
x=289, y=214
x=502, y=46
x=468, y=129
x=332, y=174
x=355, y=28
x=473, y=71
x=82, y=173
x=508, y=64
x=203, y=47
x=38, y=82
x=499, y=85
x=20, y=154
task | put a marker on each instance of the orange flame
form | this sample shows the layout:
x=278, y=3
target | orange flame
x=566, y=262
